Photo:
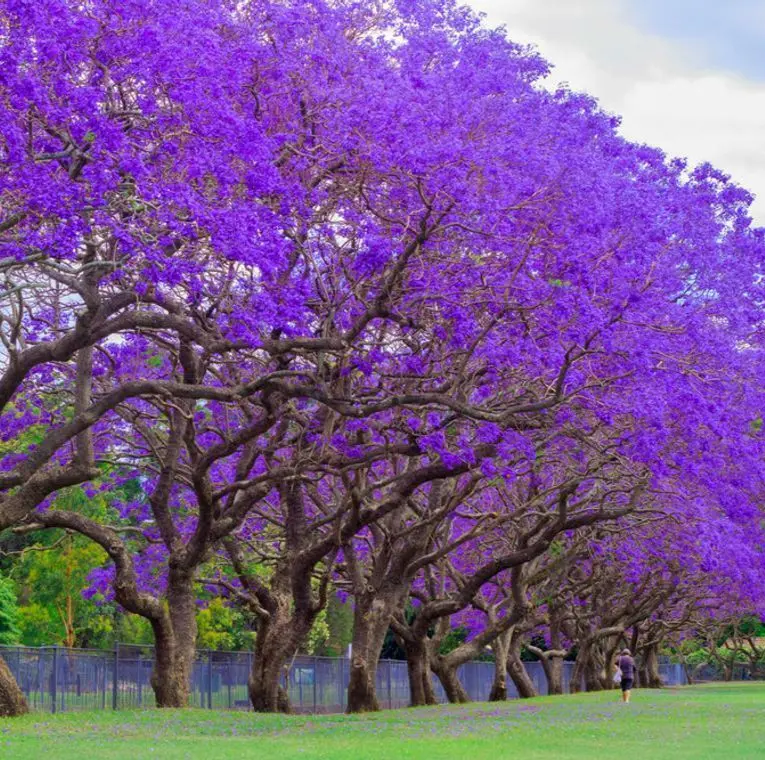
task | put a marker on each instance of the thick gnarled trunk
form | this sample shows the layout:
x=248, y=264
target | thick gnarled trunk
x=592, y=675
x=277, y=641
x=266, y=693
x=501, y=648
x=552, y=659
x=554, y=673
x=651, y=674
x=447, y=675
x=175, y=643
x=171, y=677
x=418, y=669
x=553, y=668
x=585, y=674
x=371, y=618
x=13, y=703
x=518, y=672
x=362, y=691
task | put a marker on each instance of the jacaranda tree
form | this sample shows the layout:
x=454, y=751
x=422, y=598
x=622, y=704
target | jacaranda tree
x=321, y=274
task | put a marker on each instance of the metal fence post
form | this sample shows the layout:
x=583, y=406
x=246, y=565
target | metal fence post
x=209, y=679
x=315, y=679
x=250, y=665
x=229, y=677
x=103, y=683
x=115, y=677
x=140, y=680
x=390, y=691
x=54, y=681
x=341, y=684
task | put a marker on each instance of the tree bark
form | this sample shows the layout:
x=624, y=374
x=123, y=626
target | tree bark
x=277, y=641
x=553, y=667
x=552, y=659
x=370, y=624
x=611, y=658
x=586, y=672
x=577, y=675
x=12, y=700
x=175, y=643
x=592, y=673
x=501, y=648
x=653, y=677
x=689, y=676
x=171, y=676
x=418, y=668
x=266, y=693
x=518, y=672
x=552, y=664
x=447, y=674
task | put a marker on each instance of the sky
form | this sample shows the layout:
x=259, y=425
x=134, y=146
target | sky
x=687, y=76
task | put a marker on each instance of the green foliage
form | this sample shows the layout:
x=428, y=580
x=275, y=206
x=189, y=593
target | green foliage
x=54, y=610
x=319, y=633
x=51, y=569
x=131, y=629
x=453, y=639
x=339, y=621
x=9, y=613
x=222, y=627
x=38, y=626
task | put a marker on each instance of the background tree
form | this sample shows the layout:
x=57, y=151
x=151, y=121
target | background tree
x=10, y=632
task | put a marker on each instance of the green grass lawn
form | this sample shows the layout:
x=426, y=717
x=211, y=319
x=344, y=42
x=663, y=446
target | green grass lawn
x=716, y=721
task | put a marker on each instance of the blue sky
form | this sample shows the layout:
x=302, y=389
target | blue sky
x=727, y=34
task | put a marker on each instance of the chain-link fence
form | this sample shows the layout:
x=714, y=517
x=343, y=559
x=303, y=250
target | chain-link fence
x=56, y=679
x=716, y=671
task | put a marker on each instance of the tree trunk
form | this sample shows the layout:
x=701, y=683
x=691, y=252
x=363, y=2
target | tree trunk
x=175, y=643
x=552, y=664
x=577, y=675
x=501, y=648
x=12, y=700
x=371, y=618
x=553, y=668
x=447, y=674
x=518, y=672
x=362, y=688
x=171, y=676
x=418, y=668
x=586, y=670
x=266, y=693
x=611, y=659
x=276, y=643
x=592, y=679
x=653, y=677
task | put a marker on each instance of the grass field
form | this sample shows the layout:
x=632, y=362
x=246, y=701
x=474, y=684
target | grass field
x=716, y=721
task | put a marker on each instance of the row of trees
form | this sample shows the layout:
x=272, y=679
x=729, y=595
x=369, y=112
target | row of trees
x=325, y=297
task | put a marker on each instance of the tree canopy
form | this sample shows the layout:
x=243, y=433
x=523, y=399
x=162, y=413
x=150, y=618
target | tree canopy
x=329, y=297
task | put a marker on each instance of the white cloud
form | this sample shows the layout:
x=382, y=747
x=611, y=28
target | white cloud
x=666, y=96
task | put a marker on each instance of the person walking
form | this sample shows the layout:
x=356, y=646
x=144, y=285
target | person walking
x=627, y=667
